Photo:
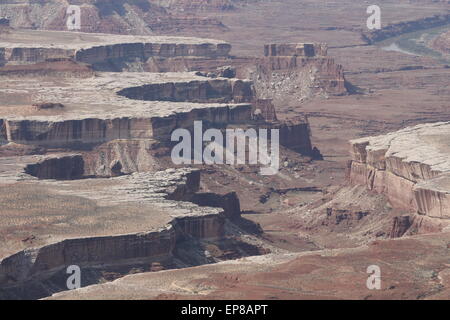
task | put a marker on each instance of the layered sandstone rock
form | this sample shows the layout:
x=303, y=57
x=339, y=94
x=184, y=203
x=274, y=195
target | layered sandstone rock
x=4, y=22
x=297, y=71
x=214, y=90
x=295, y=49
x=114, y=106
x=410, y=166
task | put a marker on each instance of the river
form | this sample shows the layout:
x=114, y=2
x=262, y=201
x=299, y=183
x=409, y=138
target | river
x=417, y=43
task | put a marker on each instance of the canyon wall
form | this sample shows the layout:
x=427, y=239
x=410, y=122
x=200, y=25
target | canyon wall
x=59, y=168
x=297, y=71
x=296, y=135
x=295, y=49
x=115, y=55
x=397, y=29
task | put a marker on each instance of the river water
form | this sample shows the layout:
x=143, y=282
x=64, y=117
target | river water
x=417, y=43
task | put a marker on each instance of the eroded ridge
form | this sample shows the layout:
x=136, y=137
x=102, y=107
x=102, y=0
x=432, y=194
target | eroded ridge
x=102, y=50
x=299, y=71
x=95, y=223
x=410, y=166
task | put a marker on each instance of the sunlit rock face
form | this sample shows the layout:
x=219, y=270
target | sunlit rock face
x=298, y=71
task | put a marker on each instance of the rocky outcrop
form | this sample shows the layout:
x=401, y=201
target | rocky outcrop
x=264, y=110
x=114, y=56
x=35, y=55
x=4, y=22
x=214, y=90
x=412, y=268
x=170, y=191
x=409, y=225
x=296, y=135
x=409, y=166
x=296, y=49
x=93, y=131
x=161, y=104
x=98, y=250
x=442, y=43
x=400, y=226
x=228, y=202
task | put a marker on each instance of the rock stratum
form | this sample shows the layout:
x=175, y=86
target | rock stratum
x=411, y=167
x=102, y=51
x=413, y=268
x=127, y=106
